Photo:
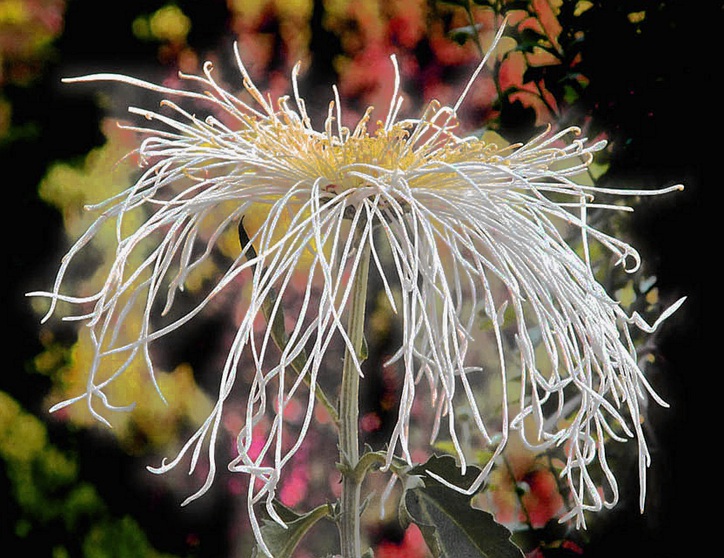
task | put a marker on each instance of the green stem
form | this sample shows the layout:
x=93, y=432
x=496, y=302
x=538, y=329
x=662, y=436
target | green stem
x=471, y=19
x=518, y=493
x=349, y=517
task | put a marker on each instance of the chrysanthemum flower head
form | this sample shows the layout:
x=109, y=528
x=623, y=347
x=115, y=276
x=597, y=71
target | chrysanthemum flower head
x=455, y=228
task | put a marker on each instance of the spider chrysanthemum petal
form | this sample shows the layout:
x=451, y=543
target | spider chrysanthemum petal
x=468, y=228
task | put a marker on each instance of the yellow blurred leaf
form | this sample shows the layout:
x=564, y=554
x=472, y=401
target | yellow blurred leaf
x=626, y=295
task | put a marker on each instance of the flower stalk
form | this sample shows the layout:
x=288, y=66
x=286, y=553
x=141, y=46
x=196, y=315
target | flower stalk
x=349, y=517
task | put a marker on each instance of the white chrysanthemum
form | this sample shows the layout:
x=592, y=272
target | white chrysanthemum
x=468, y=227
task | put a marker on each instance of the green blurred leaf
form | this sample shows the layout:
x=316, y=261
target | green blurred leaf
x=461, y=3
x=570, y=95
x=50, y=505
x=462, y=34
x=118, y=538
x=535, y=74
x=283, y=541
x=517, y=5
x=528, y=39
x=449, y=523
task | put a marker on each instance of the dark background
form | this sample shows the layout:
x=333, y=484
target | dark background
x=653, y=91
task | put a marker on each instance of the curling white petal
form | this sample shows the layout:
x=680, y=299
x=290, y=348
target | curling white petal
x=468, y=228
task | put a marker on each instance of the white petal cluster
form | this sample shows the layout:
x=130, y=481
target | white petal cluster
x=456, y=227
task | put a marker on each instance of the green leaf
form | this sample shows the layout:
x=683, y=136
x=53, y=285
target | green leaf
x=278, y=331
x=283, y=541
x=449, y=523
x=363, y=352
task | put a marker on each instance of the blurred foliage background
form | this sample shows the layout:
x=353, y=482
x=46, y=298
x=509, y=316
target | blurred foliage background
x=636, y=72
